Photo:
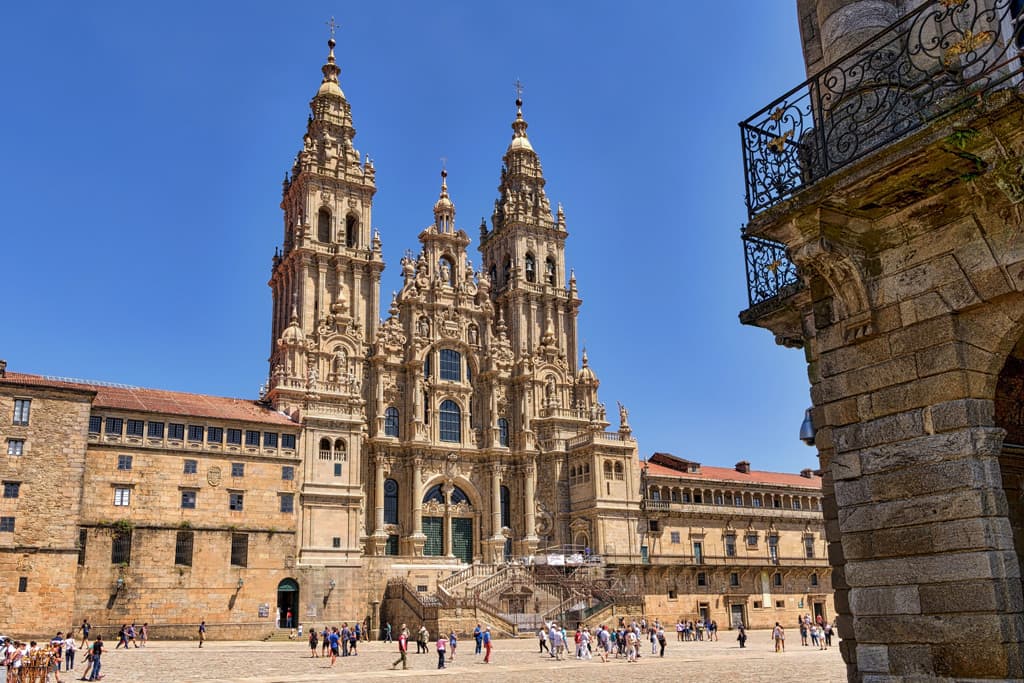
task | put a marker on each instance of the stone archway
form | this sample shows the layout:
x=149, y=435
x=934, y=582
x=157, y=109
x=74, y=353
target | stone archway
x=1008, y=406
x=288, y=602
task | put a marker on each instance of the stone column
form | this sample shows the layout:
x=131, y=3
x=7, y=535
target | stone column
x=845, y=24
x=378, y=509
x=496, y=501
x=447, y=490
x=531, y=522
x=418, y=538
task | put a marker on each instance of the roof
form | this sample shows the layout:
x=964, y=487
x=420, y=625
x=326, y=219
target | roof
x=728, y=474
x=123, y=397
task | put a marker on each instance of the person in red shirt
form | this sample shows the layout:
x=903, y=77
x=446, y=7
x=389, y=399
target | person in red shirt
x=403, y=648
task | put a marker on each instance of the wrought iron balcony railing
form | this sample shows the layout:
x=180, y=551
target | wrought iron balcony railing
x=942, y=56
x=770, y=273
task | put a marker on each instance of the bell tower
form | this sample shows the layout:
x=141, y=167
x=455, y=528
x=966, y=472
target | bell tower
x=325, y=281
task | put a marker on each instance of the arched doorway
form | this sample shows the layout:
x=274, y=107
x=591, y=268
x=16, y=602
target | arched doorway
x=448, y=523
x=1009, y=414
x=288, y=601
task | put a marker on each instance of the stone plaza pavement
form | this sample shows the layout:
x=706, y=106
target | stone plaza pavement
x=513, y=661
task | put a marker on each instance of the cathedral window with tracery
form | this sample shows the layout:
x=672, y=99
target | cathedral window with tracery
x=450, y=422
x=323, y=225
x=390, y=501
x=391, y=422
x=451, y=365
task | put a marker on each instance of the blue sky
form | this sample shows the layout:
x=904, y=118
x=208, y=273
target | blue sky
x=144, y=146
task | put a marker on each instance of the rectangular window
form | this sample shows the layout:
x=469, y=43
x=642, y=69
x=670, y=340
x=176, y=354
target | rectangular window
x=235, y=501
x=814, y=579
x=287, y=502
x=757, y=502
x=135, y=427
x=809, y=547
x=121, y=547
x=175, y=432
x=269, y=440
x=686, y=497
x=288, y=441
x=730, y=546
x=780, y=604
x=215, y=435
x=391, y=547
x=156, y=430
x=336, y=542
x=674, y=536
x=734, y=579
x=773, y=548
x=124, y=462
x=238, y=469
x=287, y=473
x=702, y=579
x=195, y=433
x=22, y=584
x=183, y=548
x=235, y=436
x=672, y=594
x=451, y=365
x=698, y=498
x=751, y=540
x=252, y=438
x=191, y=466
x=83, y=539
x=777, y=503
x=15, y=446
x=738, y=500
x=757, y=604
x=122, y=496
x=7, y=524
x=337, y=469
x=115, y=425
x=95, y=424
x=12, y=489
x=239, y=550
x=22, y=407
x=653, y=525
x=188, y=500
x=719, y=500
x=777, y=579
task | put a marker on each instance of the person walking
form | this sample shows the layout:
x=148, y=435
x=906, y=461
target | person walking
x=487, y=645
x=442, y=645
x=779, y=636
x=325, y=641
x=387, y=632
x=742, y=637
x=86, y=627
x=97, y=655
x=403, y=648
x=122, y=637
x=144, y=634
x=478, y=636
x=452, y=642
x=661, y=641
x=333, y=639
x=421, y=640
x=543, y=638
x=202, y=632
x=313, y=642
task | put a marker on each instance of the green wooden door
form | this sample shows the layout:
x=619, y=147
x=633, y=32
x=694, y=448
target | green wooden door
x=462, y=538
x=433, y=528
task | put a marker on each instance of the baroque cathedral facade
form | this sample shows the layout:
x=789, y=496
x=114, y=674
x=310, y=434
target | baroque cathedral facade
x=388, y=465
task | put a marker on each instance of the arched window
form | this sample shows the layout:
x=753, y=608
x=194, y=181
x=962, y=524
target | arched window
x=618, y=471
x=436, y=494
x=502, y=432
x=494, y=277
x=426, y=408
x=351, y=231
x=426, y=366
x=655, y=493
x=607, y=469
x=531, y=268
x=323, y=225
x=339, y=450
x=506, y=271
x=391, y=421
x=450, y=422
x=451, y=365
x=390, y=501
x=549, y=271
x=506, y=517
x=325, y=449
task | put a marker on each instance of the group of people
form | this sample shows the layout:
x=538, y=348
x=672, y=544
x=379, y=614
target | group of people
x=445, y=645
x=625, y=641
x=819, y=630
x=687, y=631
x=333, y=641
x=19, y=657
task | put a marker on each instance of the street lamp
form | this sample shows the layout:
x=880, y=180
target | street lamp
x=241, y=582
x=807, y=429
x=119, y=584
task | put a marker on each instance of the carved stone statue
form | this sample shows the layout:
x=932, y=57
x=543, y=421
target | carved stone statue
x=312, y=375
x=623, y=417
x=340, y=360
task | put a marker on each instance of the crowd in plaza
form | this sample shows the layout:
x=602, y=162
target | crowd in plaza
x=39, y=662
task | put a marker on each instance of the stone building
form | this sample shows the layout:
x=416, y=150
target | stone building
x=885, y=238
x=451, y=461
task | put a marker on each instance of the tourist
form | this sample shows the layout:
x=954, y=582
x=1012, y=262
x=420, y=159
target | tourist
x=131, y=633
x=452, y=642
x=679, y=630
x=359, y=632
x=343, y=638
x=779, y=636
x=652, y=635
x=288, y=618
x=97, y=654
x=487, y=645
x=333, y=637
x=387, y=632
x=403, y=648
x=713, y=630
x=631, y=645
x=442, y=644
x=827, y=633
x=202, y=632
x=313, y=642
x=353, y=640
x=742, y=637
x=814, y=635
x=421, y=640
x=325, y=641
x=53, y=666
x=542, y=637
x=803, y=631
x=661, y=641
x=557, y=643
x=69, y=651
x=585, y=644
x=15, y=655
x=85, y=632
x=122, y=637
x=478, y=636
x=144, y=634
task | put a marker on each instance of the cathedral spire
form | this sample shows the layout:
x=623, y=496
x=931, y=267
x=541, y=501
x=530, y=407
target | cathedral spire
x=444, y=209
x=329, y=85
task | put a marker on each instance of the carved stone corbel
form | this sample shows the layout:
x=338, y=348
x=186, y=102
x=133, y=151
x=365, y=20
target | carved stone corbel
x=840, y=268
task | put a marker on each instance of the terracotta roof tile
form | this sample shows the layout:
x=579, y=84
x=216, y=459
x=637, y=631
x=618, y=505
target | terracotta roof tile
x=160, y=401
x=728, y=474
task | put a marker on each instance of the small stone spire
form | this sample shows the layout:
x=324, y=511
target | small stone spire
x=519, y=126
x=444, y=209
x=329, y=85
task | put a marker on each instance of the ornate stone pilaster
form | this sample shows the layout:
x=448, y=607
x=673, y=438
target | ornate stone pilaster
x=530, y=539
x=418, y=538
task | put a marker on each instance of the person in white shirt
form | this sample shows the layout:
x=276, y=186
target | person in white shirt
x=69, y=652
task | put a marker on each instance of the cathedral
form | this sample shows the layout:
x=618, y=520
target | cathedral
x=449, y=462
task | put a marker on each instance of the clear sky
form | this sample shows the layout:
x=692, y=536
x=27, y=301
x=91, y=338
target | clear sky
x=144, y=146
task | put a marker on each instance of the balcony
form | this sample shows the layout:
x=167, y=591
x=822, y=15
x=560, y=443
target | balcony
x=944, y=56
x=705, y=509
